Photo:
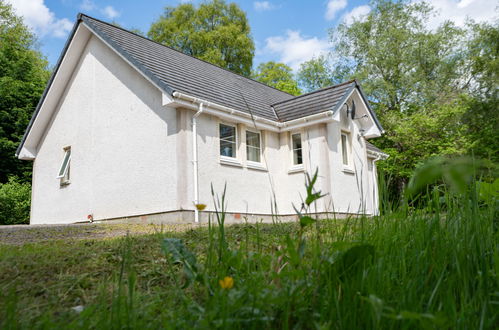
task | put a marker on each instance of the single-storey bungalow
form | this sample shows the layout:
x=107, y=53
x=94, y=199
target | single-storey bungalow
x=130, y=129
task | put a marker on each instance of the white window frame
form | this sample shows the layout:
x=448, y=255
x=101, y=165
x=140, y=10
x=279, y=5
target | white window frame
x=236, y=142
x=346, y=148
x=260, y=142
x=64, y=169
x=299, y=165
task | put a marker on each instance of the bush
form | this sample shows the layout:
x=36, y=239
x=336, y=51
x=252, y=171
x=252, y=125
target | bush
x=15, y=200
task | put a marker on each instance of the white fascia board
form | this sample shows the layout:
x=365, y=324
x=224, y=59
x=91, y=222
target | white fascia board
x=377, y=155
x=232, y=117
x=323, y=117
x=52, y=98
x=227, y=113
x=192, y=102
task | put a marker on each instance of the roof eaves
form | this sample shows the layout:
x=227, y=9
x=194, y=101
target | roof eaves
x=369, y=107
x=167, y=89
x=314, y=92
x=344, y=98
x=49, y=84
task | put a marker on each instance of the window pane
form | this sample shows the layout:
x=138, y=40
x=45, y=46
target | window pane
x=253, y=139
x=296, y=141
x=227, y=132
x=227, y=141
x=253, y=148
x=297, y=151
x=227, y=148
x=65, y=164
x=297, y=159
x=253, y=154
x=344, y=148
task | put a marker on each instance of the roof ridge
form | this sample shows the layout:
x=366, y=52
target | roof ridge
x=178, y=51
x=317, y=91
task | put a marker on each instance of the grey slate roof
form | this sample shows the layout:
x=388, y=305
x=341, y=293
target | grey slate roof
x=372, y=147
x=186, y=74
x=315, y=102
x=174, y=71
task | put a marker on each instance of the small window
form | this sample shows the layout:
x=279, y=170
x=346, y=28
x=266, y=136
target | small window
x=227, y=141
x=253, y=146
x=297, y=151
x=64, y=169
x=345, y=148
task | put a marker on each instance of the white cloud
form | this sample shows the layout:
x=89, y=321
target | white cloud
x=110, y=12
x=40, y=19
x=358, y=13
x=294, y=49
x=87, y=5
x=263, y=6
x=333, y=7
x=459, y=11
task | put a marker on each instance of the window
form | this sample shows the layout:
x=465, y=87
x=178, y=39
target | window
x=345, y=147
x=64, y=169
x=227, y=141
x=253, y=146
x=296, y=147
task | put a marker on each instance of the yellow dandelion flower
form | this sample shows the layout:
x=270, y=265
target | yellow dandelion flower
x=200, y=207
x=226, y=283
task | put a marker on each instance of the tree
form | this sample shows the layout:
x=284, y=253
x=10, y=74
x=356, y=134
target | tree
x=277, y=75
x=415, y=78
x=401, y=63
x=316, y=73
x=216, y=32
x=23, y=76
x=481, y=117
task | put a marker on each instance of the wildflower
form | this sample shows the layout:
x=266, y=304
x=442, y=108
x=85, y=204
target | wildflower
x=226, y=283
x=200, y=207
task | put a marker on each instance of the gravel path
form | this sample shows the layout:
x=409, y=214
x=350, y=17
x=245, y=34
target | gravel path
x=22, y=234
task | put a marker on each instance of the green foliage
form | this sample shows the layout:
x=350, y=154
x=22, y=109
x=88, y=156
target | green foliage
x=181, y=255
x=437, y=130
x=481, y=118
x=317, y=73
x=23, y=75
x=456, y=172
x=216, y=32
x=15, y=198
x=277, y=75
x=419, y=269
x=434, y=90
x=400, y=62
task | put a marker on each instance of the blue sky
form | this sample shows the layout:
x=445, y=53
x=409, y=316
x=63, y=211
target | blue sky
x=290, y=31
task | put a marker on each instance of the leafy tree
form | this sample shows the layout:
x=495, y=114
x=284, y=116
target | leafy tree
x=23, y=75
x=481, y=117
x=216, y=32
x=415, y=78
x=401, y=63
x=15, y=198
x=277, y=75
x=316, y=73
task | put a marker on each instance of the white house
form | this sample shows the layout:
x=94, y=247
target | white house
x=129, y=128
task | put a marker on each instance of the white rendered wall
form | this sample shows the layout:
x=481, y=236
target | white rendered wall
x=132, y=156
x=252, y=190
x=122, y=140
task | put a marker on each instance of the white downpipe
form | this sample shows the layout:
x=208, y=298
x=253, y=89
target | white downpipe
x=195, y=161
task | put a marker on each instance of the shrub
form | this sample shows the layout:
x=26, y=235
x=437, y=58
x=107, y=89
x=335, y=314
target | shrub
x=15, y=200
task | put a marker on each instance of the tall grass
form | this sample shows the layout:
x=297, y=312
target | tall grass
x=434, y=266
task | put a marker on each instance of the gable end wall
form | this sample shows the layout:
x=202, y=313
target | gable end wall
x=123, y=145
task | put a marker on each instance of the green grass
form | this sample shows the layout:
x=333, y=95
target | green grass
x=435, y=267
